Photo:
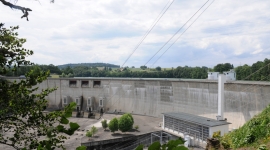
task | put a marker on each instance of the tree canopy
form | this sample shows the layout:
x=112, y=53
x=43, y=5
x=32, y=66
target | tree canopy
x=113, y=125
x=125, y=122
x=23, y=124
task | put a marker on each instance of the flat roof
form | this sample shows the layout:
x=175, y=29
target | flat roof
x=196, y=119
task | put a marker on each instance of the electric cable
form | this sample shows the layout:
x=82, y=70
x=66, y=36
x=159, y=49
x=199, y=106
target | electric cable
x=163, y=11
x=150, y=29
x=177, y=31
x=183, y=32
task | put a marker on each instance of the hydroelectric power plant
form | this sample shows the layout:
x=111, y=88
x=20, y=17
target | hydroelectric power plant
x=153, y=97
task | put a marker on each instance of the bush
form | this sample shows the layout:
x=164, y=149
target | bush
x=89, y=134
x=113, y=125
x=136, y=127
x=216, y=135
x=125, y=123
x=250, y=133
x=131, y=118
x=94, y=130
x=104, y=124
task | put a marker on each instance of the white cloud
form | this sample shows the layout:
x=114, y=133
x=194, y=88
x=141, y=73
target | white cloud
x=107, y=31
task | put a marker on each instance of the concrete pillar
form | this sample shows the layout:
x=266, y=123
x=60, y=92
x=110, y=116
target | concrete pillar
x=221, y=81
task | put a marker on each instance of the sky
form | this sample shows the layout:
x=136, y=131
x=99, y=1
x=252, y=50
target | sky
x=108, y=31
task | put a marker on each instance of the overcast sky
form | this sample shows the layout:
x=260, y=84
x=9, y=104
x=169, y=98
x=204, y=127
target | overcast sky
x=88, y=31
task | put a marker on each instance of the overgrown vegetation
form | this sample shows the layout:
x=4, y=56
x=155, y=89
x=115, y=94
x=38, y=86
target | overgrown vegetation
x=171, y=145
x=255, y=133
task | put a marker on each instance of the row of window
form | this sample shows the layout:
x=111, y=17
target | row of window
x=73, y=83
x=89, y=101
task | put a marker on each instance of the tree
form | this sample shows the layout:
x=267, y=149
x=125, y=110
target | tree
x=223, y=67
x=125, y=123
x=143, y=67
x=22, y=121
x=113, y=125
x=104, y=124
x=94, y=130
x=158, y=68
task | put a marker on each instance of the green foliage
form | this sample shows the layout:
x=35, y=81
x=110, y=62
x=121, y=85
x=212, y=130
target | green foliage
x=251, y=132
x=158, y=68
x=22, y=105
x=130, y=116
x=262, y=147
x=223, y=67
x=89, y=65
x=171, y=145
x=140, y=147
x=113, y=125
x=125, y=122
x=242, y=72
x=136, y=127
x=216, y=135
x=154, y=146
x=89, y=134
x=81, y=147
x=104, y=124
x=94, y=130
x=143, y=67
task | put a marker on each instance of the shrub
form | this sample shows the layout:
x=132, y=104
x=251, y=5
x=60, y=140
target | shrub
x=216, y=135
x=104, y=124
x=131, y=118
x=136, y=127
x=89, y=134
x=125, y=123
x=113, y=125
x=94, y=130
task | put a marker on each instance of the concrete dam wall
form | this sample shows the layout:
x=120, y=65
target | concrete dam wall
x=152, y=97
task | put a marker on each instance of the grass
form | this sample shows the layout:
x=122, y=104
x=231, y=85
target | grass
x=252, y=134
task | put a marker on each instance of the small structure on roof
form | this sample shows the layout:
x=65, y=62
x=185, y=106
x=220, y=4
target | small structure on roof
x=197, y=127
x=213, y=75
x=230, y=75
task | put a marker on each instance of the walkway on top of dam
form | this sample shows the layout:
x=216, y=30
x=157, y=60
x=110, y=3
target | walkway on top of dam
x=156, y=79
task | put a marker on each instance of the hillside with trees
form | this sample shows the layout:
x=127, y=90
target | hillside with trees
x=89, y=65
x=258, y=71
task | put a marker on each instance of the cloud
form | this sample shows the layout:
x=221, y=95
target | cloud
x=108, y=31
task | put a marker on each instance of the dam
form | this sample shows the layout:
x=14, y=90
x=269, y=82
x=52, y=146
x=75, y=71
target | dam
x=154, y=96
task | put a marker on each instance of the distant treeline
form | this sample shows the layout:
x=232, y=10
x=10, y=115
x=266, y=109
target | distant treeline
x=179, y=72
x=22, y=70
x=89, y=65
x=259, y=71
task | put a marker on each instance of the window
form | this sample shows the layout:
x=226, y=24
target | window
x=89, y=101
x=101, y=103
x=96, y=84
x=77, y=101
x=85, y=83
x=72, y=83
x=65, y=100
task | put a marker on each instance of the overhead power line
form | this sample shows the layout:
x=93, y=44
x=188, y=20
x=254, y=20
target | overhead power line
x=182, y=33
x=176, y=32
x=163, y=11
